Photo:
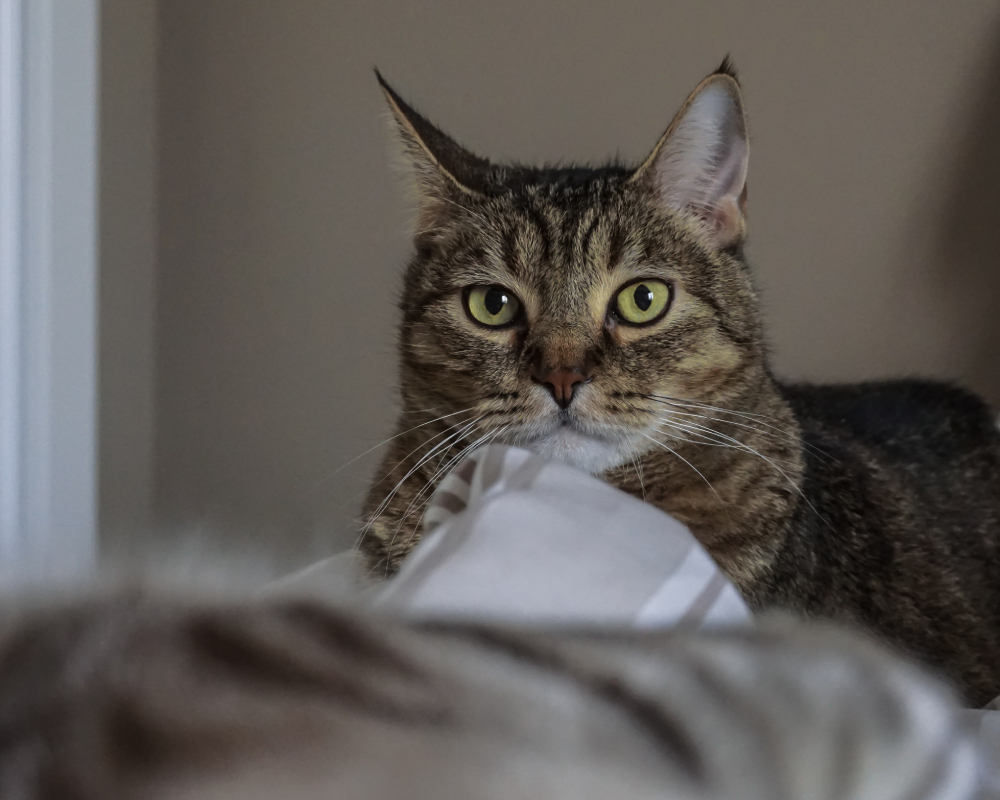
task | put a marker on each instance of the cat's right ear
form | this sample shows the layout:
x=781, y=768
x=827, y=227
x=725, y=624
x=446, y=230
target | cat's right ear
x=443, y=171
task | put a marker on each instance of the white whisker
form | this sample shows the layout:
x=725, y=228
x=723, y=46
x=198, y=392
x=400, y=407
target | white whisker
x=637, y=461
x=385, y=442
x=423, y=460
x=430, y=484
x=678, y=455
x=746, y=448
x=667, y=400
x=783, y=434
x=707, y=432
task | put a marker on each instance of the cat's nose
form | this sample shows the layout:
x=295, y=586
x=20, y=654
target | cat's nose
x=561, y=383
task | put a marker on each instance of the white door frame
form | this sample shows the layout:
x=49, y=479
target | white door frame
x=49, y=62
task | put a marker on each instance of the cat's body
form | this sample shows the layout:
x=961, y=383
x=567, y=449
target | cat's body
x=608, y=318
x=903, y=534
x=138, y=696
x=895, y=525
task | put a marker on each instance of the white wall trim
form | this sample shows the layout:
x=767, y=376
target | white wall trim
x=48, y=288
x=10, y=285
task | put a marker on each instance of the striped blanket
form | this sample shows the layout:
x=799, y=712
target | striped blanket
x=512, y=537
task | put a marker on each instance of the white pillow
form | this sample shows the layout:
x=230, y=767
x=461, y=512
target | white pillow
x=512, y=537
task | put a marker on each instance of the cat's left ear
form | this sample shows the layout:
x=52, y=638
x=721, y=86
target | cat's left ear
x=699, y=166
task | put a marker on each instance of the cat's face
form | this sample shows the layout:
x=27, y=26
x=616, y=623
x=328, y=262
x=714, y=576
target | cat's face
x=561, y=309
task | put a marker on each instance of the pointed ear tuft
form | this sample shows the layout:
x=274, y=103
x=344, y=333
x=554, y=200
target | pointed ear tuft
x=727, y=67
x=443, y=170
x=699, y=166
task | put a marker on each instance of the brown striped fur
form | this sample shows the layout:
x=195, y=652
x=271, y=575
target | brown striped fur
x=877, y=504
x=138, y=696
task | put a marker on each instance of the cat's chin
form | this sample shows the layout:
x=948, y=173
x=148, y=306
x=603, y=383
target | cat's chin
x=579, y=450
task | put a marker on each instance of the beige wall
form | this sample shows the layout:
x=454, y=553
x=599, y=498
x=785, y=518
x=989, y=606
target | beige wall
x=875, y=156
x=127, y=275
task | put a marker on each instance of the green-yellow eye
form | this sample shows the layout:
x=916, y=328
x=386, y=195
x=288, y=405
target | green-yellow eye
x=642, y=302
x=492, y=305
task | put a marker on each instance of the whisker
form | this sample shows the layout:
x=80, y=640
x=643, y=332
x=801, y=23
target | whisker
x=423, y=444
x=433, y=479
x=637, y=462
x=692, y=466
x=386, y=441
x=705, y=406
x=780, y=433
x=404, y=459
x=430, y=483
x=740, y=445
x=668, y=400
x=447, y=442
x=490, y=438
x=706, y=432
x=423, y=460
x=703, y=437
x=439, y=450
x=699, y=406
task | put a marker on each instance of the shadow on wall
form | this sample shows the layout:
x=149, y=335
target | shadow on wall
x=966, y=247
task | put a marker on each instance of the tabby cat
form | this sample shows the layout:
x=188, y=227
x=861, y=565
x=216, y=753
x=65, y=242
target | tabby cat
x=607, y=317
x=136, y=696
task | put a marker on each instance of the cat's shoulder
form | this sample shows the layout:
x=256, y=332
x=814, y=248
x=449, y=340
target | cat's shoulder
x=934, y=414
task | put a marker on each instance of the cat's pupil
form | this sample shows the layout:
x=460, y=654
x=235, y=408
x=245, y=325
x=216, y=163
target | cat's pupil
x=495, y=300
x=643, y=297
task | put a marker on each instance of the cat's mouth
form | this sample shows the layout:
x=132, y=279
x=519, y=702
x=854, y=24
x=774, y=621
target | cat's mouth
x=568, y=438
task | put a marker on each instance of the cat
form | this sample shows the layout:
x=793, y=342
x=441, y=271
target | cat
x=607, y=317
x=136, y=695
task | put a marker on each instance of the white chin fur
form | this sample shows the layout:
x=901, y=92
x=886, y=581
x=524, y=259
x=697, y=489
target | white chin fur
x=579, y=450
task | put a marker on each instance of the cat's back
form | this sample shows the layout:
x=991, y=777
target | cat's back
x=900, y=521
x=908, y=457
x=934, y=431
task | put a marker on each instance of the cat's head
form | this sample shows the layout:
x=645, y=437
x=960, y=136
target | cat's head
x=558, y=308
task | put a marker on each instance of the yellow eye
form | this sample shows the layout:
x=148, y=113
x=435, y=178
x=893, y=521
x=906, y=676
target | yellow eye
x=492, y=305
x=642, y=302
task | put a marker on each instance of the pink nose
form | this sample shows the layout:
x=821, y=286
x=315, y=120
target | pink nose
x=561, y=383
